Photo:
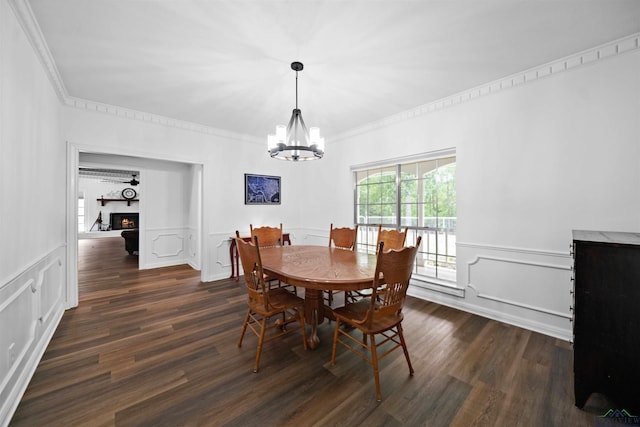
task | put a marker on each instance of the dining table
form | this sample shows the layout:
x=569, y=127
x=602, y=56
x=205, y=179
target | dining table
x=317, y=269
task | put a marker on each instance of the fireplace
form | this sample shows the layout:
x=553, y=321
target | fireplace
x=123, y=221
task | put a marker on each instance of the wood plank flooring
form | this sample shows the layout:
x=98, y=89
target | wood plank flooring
x=158, y=348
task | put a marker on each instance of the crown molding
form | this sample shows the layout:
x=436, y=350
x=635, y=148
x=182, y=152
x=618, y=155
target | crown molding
x=614, y=48
x=27, y=20
x=142, y=116
x=25, y=16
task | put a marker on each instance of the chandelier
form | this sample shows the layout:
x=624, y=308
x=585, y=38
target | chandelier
x=295, y=142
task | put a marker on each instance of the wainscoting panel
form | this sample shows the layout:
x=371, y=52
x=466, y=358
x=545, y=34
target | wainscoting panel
x=31, y=306
x=193, y=248
x=165, y=247
x=529, y=288
x=519, y=283
x=219, y=264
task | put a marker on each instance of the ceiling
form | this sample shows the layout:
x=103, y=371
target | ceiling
x=226, y=64
x=109, y=175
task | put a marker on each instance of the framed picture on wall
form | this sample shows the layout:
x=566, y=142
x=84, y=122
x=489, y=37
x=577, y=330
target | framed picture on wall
x=261, y=189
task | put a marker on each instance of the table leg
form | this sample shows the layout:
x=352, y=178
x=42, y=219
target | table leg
x=231, y=245
x=314, y=315
x=233, y=256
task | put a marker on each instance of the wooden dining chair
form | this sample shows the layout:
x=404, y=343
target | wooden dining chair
x=393, y=239
x=265, y=303
x=341, y=238
x=268, y=236
x=381, y=314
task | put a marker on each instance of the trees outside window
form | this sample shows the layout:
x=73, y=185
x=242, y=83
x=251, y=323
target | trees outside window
x=419, y=195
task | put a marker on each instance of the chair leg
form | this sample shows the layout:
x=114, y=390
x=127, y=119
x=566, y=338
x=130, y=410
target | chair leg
x=376, y=375
x=244, y=327
x=260, y=342
x=335, y=341
x=404, y=348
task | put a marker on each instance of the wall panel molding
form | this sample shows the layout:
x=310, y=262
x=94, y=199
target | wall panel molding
x=513, y=249
x=32, y=304
x=166, y=247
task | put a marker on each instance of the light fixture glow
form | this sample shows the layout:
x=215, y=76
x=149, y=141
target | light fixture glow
x=295, y=142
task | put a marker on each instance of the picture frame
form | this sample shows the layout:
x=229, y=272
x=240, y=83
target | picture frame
x=261, y=189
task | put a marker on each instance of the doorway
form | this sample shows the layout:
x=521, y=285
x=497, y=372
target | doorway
x=191, y=183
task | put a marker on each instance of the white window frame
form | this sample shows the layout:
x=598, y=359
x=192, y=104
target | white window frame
x=367, y=233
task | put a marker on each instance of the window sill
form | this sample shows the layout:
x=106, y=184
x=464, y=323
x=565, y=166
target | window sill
x=433, y=284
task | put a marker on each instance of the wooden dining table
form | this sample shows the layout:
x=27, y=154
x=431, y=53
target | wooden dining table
x=316, y=269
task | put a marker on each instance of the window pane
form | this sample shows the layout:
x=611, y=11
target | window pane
x=362, y=194
x=426, y=196
x=408, y=169
x=388, y=192
x=408, y=191
x=388, y=174
x=409, y=212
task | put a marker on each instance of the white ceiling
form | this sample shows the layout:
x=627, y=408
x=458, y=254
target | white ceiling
x=226, y=64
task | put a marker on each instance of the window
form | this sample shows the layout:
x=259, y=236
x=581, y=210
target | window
x=81, y=214
x=420, y=195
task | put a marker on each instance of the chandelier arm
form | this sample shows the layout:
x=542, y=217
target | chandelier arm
x=305, y=131
x=290, y=125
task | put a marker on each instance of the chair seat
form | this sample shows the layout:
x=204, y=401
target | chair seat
x=279, y=299
x=357, y=311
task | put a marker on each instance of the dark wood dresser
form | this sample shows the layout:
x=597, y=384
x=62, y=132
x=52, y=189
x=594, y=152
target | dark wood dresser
x=606, y=317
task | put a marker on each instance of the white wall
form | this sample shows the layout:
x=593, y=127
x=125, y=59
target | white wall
x=535, y=161
x=32, y=212
x=225, y=158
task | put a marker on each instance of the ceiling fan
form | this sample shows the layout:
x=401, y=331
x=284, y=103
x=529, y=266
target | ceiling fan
x=133, y=181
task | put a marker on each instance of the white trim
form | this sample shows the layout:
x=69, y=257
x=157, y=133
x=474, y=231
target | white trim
x=178, y=251
x=542, y=252
x=25, y=16
x=607, y=50
x=431, y=155
x=433, y=285
x=71, y=288
x=73, y=158
x=31, y=28
x=129, y=113
x=501, y=316
x=514, y=261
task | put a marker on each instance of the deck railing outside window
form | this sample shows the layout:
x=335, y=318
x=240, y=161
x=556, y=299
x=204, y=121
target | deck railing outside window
x=418, y=195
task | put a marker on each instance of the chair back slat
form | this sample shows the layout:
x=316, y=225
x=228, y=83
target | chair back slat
x=391, y=280
x=268, y=236
x=343, y=238
x=249, y=253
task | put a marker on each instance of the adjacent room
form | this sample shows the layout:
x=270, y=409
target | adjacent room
x=445, y=196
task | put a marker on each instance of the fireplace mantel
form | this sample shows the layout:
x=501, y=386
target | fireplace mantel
x=103, y=200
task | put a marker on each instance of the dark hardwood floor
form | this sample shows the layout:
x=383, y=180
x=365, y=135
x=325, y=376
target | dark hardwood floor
x=158, y=347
